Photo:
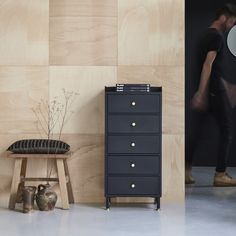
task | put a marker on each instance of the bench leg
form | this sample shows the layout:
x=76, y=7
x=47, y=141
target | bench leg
x=62, y=183
x=15, y=183
x=22, y=183
x=69, y=186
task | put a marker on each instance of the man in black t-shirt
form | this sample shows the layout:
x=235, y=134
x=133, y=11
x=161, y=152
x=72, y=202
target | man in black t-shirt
x=211, y=94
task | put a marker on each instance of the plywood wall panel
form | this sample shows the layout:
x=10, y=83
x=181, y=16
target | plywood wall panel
x=24, y=27
x=35, y=168
x=83, y=41
x=90, y=44
x=150, y=32
x=89, y=82
x=86, y=166
x=21, y=89
x=172, y=81
x=83, y=8
x=173, y=168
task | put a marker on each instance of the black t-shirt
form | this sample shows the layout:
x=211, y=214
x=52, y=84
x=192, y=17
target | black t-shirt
x=212, y=40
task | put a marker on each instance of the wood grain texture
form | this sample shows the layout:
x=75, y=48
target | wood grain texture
x=83, y=41
x=83, y=8
x=22, y=184
x=150, y=32
x=86, y=166
x=62, y=184
x=69, y=185
x=21, y=88
x=172, y=81
x=149, y=42
x=35, y=168
x=15, y=183
x=36, y=155
x=89, y=82
x=24, y=30
x=173, y=189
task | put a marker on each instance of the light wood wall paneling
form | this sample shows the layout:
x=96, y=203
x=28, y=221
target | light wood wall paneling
x=83, y=32
x=173, y=189
x=24, y=30
x=89, y=82
x=83, y=41
x=83, y=8
x=21, y=89
x=151, y=32
x=87, y=40
x=172, y=81
x=35, y=168
x=86, y=166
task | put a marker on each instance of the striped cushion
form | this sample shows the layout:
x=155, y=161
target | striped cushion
x=40, y=146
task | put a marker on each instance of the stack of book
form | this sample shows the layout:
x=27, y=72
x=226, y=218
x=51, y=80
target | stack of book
x=133, y=87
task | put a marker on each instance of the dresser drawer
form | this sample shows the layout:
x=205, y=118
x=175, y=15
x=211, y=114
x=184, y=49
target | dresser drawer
x=148, y=165
x=134, y=144
x=134, y=186
x=134, y=103
x=133, y=124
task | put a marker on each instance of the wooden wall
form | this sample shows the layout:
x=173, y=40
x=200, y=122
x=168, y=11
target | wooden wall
x=84, y=45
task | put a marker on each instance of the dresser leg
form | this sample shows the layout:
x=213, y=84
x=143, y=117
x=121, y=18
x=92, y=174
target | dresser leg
x=108, y=201
x=157, y=201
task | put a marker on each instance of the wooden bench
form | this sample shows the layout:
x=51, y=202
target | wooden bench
x=19, y=176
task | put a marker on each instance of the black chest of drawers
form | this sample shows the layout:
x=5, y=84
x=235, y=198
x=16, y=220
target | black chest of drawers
x=133, y=144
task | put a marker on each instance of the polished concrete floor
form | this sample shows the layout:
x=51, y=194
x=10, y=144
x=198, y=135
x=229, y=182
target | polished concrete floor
x=207, y=211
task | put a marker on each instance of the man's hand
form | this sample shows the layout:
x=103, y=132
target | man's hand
x=199, y=102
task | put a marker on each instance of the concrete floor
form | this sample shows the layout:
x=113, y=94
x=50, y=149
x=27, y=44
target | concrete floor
x=207, y=211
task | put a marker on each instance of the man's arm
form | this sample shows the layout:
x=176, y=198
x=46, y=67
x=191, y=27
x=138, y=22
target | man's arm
x=199, y=101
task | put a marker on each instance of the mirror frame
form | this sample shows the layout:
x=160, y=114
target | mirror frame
x=231, y=42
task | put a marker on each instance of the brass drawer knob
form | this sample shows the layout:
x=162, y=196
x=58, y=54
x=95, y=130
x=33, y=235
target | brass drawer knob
x=132, y=185
x=132, y=144
x=133, y=124
x=133, y=103
x=132, y=165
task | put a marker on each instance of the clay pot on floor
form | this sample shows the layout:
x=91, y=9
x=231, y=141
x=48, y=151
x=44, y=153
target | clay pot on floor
x=46, y=198
x=28, y=195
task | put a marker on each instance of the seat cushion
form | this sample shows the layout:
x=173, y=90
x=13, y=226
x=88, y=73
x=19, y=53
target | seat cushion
x=39, y=146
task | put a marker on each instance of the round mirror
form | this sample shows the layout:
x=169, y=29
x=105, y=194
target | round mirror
x=231, y=40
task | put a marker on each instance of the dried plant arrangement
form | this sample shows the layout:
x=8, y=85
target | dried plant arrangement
x=51, y=118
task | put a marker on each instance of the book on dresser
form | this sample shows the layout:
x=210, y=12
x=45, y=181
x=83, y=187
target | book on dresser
x=133, y=87
x=133, y=134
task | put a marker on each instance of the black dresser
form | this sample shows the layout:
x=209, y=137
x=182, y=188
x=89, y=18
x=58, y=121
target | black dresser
x=133, y=144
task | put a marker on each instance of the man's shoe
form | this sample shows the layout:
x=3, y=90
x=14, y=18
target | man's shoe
x=223, y=179
x=188, y=175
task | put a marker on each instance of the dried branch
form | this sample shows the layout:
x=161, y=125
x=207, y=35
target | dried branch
x=49, y=114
